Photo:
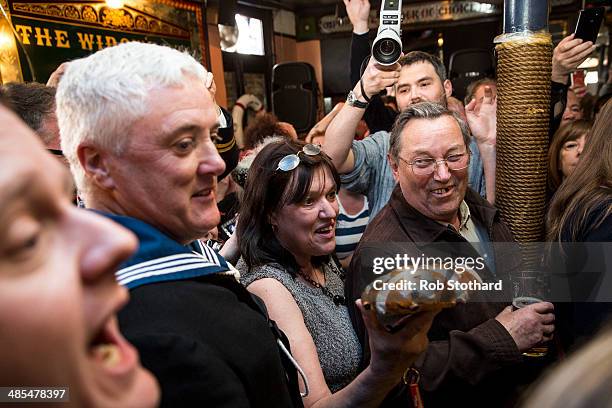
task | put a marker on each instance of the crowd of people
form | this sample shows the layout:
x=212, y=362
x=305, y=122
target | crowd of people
x=235, y=269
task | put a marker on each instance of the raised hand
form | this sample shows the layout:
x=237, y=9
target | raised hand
x=579, y=91
x=358, y=12
x=376, y=77
x=567, y=55
x=482, y=118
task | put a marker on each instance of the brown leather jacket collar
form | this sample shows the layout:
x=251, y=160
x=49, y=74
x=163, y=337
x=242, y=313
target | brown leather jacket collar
x=422, y=229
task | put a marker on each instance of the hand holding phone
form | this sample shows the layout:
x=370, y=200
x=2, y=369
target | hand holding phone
x=589, y=21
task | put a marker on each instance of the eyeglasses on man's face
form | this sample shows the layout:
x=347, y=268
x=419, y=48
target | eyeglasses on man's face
x=291, y=161
x=426, y=165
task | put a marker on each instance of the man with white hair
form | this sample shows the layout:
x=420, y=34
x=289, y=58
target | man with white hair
x=137, y=125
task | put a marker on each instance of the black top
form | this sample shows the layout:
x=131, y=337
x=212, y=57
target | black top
x=207, y=340
x=584, y=262
x=207, y=344
x=601, y=233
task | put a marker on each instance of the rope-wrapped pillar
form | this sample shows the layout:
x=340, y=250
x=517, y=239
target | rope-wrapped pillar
x=523, y=103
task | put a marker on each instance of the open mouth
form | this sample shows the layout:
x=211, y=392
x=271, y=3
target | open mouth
x=111, y=351
x=326, y=230
x=443, y=191
x=205, y=193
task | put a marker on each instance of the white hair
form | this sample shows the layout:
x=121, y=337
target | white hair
x=101, y=96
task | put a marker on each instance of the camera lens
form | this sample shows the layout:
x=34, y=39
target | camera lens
x=387, y=47
x=386, y=51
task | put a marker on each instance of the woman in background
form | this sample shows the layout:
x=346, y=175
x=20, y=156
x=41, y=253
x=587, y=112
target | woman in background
x=564, y=152
x=581, y=212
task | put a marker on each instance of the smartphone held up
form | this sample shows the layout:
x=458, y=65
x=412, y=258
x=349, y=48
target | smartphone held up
x=589, y=22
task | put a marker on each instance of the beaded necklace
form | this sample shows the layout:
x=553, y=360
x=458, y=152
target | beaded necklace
x=337, y=299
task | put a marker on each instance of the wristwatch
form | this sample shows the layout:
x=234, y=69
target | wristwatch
x=352, y=100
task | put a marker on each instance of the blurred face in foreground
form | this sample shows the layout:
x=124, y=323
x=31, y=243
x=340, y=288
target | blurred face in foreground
x=58, y=294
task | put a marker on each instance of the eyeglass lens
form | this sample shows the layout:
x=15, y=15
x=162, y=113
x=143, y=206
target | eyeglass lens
x=433, y=165
x=289, y=162
x=311, y=149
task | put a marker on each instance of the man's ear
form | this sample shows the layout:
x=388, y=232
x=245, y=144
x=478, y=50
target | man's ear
x=394, y=167
x=95, y=166
x=448, y=87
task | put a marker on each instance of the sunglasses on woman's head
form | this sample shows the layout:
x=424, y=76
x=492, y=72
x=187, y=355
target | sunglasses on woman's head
x=291, y=161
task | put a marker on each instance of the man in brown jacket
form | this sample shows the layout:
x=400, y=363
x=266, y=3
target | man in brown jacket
x=474, y=357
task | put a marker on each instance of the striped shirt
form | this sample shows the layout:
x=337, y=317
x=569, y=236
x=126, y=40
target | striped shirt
x=350, y=228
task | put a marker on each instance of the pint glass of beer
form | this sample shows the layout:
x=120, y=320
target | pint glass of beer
x=529, y=287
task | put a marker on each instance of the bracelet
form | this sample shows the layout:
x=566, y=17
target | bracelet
x=239, y=104
x=363, y=93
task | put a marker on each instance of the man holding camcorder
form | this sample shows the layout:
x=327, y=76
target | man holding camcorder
x=417, y=77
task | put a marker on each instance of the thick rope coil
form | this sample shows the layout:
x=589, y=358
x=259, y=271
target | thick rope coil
x=523, y=105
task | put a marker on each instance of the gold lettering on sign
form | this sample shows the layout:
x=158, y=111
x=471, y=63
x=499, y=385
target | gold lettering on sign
x=110, y=41
x=43, y=36
x=52, y=37
x=24, y=32
x=99, y=41
x=86, y=41
x=61, y=39
x=40, y=36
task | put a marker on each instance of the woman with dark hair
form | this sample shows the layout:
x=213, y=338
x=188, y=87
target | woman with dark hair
x=581, y=211
x=286, y=234
x=582, y=207
x=565, y=150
